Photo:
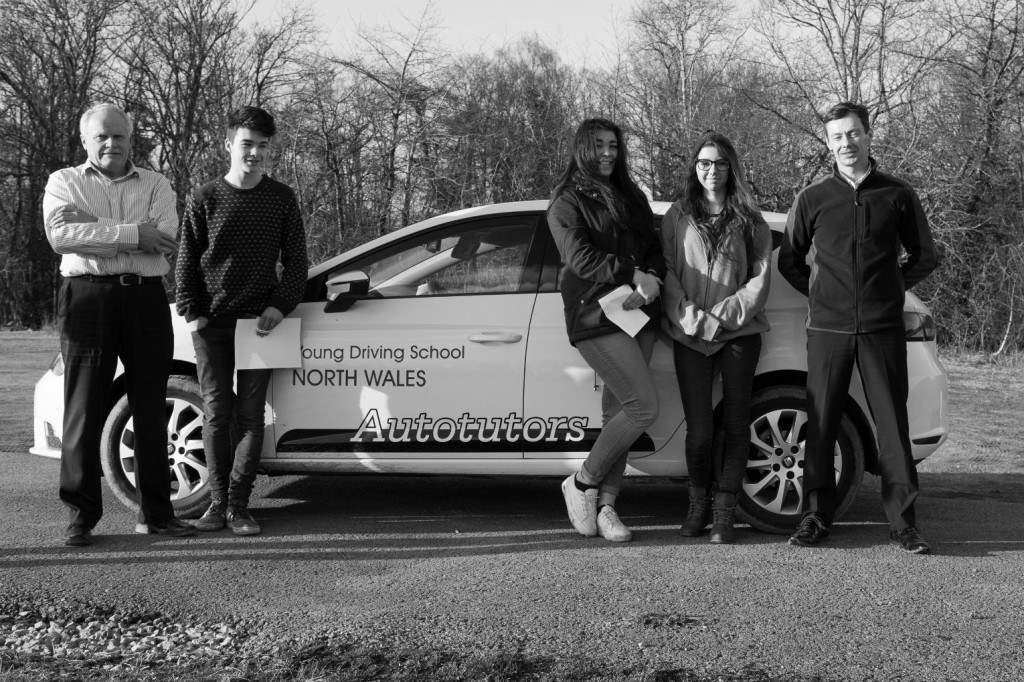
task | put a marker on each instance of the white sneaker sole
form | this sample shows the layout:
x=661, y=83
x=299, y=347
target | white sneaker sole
x=569, y=491
x=615, y=537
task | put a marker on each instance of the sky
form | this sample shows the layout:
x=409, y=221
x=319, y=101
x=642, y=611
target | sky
x=582, y=31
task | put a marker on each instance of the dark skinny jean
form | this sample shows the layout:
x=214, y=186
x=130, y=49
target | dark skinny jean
x=232, y=458
x=736, y=360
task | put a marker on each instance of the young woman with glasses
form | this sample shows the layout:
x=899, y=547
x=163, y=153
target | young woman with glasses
x=717, y=249
x=604, y=230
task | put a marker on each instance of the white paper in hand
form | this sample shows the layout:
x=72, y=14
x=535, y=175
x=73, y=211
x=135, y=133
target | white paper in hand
x=279, y=348
x=630, y=321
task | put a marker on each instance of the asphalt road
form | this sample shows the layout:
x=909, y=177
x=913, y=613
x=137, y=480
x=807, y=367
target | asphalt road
x=486, y=563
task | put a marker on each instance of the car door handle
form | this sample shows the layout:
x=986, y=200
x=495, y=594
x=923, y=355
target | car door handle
x=496, y=337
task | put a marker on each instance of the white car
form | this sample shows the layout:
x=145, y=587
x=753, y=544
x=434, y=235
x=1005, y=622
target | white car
x=441, y=349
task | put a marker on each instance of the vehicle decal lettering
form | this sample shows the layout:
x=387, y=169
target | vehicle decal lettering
x=337, y=354
x=364, y=376
x=323, y=353
x=469, y=429
x=330, y=442
x=325, y=377
x=414, y=378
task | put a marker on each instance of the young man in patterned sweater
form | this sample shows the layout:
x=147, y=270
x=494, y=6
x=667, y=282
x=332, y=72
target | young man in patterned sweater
x=234, y=232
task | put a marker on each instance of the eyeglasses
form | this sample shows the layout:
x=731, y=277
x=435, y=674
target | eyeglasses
x=720, y=164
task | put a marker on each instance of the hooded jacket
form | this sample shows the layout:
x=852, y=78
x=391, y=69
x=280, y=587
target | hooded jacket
x=712, y=295
x=855, y=282
x=598, y=254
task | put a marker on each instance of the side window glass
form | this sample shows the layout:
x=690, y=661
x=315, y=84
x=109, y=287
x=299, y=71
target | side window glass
x=483, y=257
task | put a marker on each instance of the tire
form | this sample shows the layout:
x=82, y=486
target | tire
x=187, y=460
x=772, y=492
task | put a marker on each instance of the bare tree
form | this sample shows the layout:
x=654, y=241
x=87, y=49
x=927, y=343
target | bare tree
x=273, y=63
x=51, y=52
x=817, y=52
x=177, y=80
x=404, y=66
x=677, y=56
x=969, y=131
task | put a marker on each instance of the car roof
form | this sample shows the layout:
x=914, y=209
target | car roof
x=777, y=221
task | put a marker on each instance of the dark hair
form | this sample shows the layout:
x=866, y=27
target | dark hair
x=252, y=118
x=739, y=200
x=844, y=109
x=619, y=193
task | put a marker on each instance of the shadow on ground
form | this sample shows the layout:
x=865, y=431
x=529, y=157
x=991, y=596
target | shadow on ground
x=401, y=517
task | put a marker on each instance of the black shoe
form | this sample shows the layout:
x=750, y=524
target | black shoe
x=910, y=540
x=241, y=521
x=698, y=515
x=811, y=531
x=214, y=519
x=172, y=527
x=78, y=536
x=724, y=513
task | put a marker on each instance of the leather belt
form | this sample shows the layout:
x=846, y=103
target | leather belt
x=126, y=280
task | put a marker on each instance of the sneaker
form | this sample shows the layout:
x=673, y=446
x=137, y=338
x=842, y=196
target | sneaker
x=172, y=527
x=610, y=527
x=722, y=530
x=910, y=540
x=582, y=507
x=811, y=531
x=78, y=536
x=241, y=521
x=698, y=515
x=213, y=519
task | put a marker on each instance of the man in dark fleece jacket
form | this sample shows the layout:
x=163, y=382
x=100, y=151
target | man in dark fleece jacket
x=234, y=231
x=855, y=223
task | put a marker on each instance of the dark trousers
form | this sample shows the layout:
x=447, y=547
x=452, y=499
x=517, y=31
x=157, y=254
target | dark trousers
x=99, y=323
x=232, y=454
x=881, y=359
x=736, y=360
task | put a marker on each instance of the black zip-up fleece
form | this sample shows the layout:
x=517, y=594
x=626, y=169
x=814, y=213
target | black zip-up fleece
x=598, y=255
x=855, y=282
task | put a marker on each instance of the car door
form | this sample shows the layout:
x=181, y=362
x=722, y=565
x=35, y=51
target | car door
x=559, y=381
x=429, y=364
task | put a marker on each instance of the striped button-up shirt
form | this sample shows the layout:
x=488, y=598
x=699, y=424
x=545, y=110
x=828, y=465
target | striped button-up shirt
x=109, y=246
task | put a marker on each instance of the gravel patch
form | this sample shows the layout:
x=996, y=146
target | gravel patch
x=112, y=638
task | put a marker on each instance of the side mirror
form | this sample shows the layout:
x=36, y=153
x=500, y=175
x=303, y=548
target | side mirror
x=345, y=289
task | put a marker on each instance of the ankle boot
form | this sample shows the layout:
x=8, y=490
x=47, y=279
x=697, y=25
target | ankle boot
x=699, y=513
x=724, y=511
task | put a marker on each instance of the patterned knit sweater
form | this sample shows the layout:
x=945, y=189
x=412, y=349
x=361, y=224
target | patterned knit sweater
x=230, y=242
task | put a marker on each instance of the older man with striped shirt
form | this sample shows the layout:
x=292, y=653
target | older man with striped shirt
x=114, y=225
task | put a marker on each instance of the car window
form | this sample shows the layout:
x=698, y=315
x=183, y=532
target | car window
x=481, y=257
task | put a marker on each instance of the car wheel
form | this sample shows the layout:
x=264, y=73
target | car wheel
x=773, y=491
x=185, y=455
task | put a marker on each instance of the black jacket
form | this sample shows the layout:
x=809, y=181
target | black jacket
x=598, y=255
x=855, y=282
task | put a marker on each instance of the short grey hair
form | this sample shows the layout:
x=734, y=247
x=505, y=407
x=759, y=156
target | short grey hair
x=99, y=108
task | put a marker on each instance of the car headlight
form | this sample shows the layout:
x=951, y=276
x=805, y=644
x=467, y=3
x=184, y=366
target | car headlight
x=57, y=365
x=919, y=326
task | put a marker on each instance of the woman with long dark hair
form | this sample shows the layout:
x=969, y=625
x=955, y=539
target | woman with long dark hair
x=604, y=230
x=718, y=251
